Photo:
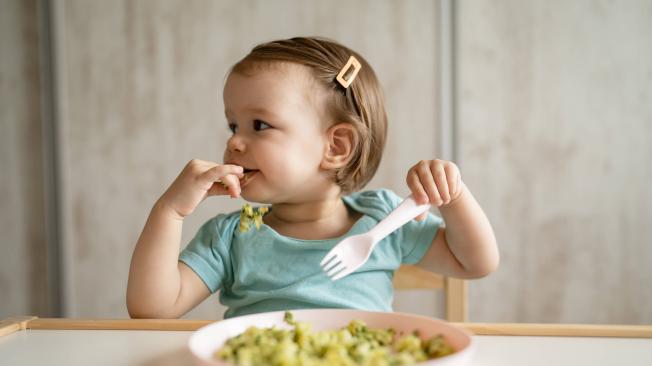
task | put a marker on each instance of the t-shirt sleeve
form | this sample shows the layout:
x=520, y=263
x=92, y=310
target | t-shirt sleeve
x=207, y=254
x=415, y=237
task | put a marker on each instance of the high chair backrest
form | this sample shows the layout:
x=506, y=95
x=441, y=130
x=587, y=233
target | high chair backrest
x=455, y=290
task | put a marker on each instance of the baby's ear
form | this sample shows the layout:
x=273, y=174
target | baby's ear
x=340, y=145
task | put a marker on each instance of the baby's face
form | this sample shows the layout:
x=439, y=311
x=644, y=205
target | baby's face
x=278, y=133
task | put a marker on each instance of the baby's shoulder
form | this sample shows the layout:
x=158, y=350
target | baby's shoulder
x=222, y=225
x=376, y=203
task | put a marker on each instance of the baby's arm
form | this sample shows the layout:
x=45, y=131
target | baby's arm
x=466, y=248
x=159, y=285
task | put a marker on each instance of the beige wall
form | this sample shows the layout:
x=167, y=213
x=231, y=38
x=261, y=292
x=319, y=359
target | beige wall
x=23, y=285
x=555, y=122
x=552, y=115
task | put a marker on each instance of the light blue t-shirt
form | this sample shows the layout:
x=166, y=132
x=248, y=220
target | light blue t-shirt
x=260, y=270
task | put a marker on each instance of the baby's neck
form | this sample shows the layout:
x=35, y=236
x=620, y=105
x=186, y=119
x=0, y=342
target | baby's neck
x=314, y=220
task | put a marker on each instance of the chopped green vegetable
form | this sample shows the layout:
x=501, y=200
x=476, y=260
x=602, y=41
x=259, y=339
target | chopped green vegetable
x=248, y=216
x=355, y=344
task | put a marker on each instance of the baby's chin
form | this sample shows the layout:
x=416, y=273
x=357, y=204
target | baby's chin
x=250, y=195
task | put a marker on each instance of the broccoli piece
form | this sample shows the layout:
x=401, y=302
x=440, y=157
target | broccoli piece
x=248, y=216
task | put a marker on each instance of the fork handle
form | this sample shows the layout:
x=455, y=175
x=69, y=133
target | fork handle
x=406, y=211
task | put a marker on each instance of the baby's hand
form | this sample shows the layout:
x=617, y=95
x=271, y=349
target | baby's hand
x=198, y=180
x=435, y=181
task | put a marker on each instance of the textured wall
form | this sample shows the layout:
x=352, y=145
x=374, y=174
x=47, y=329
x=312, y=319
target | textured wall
x=555, y=122
x=22, y=235
x=140, y=91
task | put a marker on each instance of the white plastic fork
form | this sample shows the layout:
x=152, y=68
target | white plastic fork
x=354, y=251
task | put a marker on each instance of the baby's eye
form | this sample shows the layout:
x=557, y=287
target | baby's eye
x=233, y=127
x=260, y=125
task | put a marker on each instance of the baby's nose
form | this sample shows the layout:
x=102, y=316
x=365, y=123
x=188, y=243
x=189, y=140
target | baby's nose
x=235, y=144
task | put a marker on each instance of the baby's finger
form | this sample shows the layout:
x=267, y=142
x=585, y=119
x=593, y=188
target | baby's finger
x=218, y=189
x=419, y=194
x=428, y=182
x=452, y=177
x=232, y=184
x=442, y=184
x=216, y=173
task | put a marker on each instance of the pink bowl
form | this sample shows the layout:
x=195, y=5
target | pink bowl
x=207, y=340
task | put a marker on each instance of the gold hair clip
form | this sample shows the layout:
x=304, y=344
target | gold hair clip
x=353, y=62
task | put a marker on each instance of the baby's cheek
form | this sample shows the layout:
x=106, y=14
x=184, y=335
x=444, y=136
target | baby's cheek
x=288, y=172
x=279, y=169
x=296, y=161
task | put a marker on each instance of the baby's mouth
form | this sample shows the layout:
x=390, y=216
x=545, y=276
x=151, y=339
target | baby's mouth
x=248, y=175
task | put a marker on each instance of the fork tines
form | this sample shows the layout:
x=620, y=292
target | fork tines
x=333, y=266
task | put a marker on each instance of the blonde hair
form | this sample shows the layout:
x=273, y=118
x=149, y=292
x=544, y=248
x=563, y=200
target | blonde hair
x=361, y=104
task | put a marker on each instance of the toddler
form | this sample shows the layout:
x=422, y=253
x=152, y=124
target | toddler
x=308, y=127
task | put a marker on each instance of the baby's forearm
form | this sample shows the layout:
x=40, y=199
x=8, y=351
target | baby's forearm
x=154, y=279
x=469, y=235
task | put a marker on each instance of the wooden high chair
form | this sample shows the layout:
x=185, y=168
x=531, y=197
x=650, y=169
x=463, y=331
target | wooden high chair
x=455, y=290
